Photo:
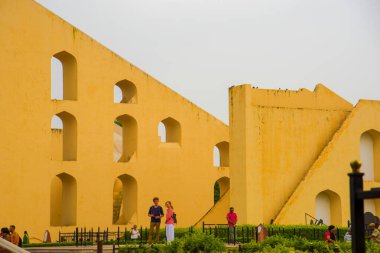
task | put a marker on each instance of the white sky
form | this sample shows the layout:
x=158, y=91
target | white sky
x=199, y=48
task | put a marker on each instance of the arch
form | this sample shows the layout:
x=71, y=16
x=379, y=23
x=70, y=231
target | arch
x=63, y=76
x=169, y=131
x=125, y=92
x=162, y=132
x=370, y=155
x=64, y=137
x=63, y=200
x=125, y=138
x=124, y=200
x=221, y=154
x=221, y=186
x=372, y=206
x=328, y=207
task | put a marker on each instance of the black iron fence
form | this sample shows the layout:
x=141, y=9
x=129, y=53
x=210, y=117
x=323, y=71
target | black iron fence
x=82, y=236
x=234, y=235
x=246, y=234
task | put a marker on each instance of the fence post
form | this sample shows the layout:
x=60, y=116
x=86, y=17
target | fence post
x=99, y=248
x=76, y=236
x=234, y=235
x=337, y=233
x=118, y=235
x=242, y=233
x=257, y=234
x=203, y=226
x=81, y=236
x=98, y=235
x=228, y=235
x=59, y=238
x=113, y=248
x=357, y=209
x=125, y=235
x=107, y=235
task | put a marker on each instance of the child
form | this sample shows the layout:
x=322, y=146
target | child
x=135, y=234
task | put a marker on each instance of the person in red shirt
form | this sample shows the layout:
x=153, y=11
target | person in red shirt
x=232, y=220
x=330, y=234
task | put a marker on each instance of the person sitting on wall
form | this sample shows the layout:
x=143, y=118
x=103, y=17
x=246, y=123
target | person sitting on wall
x=348, y=235
x=330, y=235
x=375, y=234
x=135, y=234
x=14, y=237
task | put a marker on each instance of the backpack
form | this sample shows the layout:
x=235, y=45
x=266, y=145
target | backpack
x=174, y=216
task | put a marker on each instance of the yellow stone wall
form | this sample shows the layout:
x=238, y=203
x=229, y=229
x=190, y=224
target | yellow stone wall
x=31, y=153
x=276, y=136
x=329, y=171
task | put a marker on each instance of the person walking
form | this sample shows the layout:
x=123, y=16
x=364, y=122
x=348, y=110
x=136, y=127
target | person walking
x=231, y=220
x=330, y=234
x=169, y=222
x=155, y=213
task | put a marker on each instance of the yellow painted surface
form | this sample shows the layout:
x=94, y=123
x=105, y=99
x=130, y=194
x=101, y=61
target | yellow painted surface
x=289, y=146
x=60, y=179
x=108, y=162
x=218, y=213
x=330, y=170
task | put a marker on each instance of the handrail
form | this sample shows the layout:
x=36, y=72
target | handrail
x=35, y=238
x=312, y=217
x=11, y=247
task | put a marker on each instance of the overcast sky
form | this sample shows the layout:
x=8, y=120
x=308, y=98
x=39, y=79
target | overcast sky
x=199, y=48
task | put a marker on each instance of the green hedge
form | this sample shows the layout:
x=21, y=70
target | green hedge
x=199, y=242
x=246, y=233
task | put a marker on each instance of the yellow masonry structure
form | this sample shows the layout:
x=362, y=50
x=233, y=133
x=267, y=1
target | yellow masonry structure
x=107, y=162
x=284, y=157
x=290, y=154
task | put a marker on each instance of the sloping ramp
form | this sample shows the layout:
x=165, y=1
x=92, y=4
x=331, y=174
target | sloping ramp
x=217, y=213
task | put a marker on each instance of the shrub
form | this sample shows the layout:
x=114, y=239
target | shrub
x=200, y=242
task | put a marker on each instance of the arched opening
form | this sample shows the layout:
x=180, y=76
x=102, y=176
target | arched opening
x=328, y=208
x=125, y=92
x=124, y=200
x=125, y=138
x=169, y=131
x=370, y=155
x=372, y=206
x=63, y=200
x=221, y=154
x=221, y=186
x=162, y=132
x=64, y=137
x=216, y=157
x=63, y=76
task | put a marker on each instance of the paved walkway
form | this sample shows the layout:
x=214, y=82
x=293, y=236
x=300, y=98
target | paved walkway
x=70, y=249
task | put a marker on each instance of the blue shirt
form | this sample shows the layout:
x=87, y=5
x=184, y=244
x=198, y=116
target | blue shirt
x=156, y=211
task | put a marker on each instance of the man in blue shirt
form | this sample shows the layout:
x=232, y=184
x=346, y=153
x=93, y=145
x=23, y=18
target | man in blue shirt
x=155, y=213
